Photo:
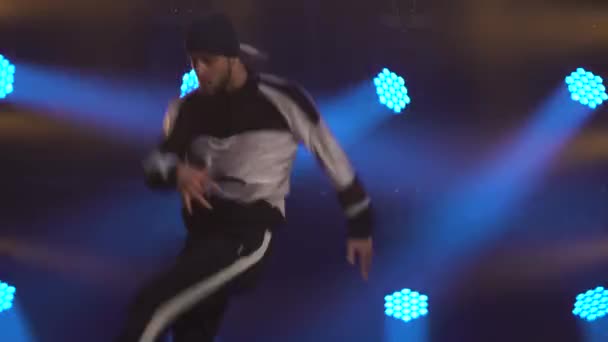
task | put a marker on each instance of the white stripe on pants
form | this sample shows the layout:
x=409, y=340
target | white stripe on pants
x=186, y=299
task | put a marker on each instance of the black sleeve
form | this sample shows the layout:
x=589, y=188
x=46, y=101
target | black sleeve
x=160, y=165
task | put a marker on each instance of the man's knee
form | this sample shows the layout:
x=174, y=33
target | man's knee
x=147, y=299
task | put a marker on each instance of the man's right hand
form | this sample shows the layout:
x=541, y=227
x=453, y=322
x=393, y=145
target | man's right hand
x=194, y=184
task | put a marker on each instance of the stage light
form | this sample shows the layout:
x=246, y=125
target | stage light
x=189, y=83
x=592, y=305
x=586, y=88
x=392, y=91
x=7, y=295
x=7, y=77
x=406, y=305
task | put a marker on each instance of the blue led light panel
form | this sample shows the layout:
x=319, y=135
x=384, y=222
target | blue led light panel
x=586, y=88
x=189, y=83
x=7, y=295
x=406, y=305
x=592, y=305
x=392, y=91
x=7, y=77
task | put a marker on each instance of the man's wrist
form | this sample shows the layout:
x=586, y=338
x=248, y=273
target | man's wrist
x=361, y=225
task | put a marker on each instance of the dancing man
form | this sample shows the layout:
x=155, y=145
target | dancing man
x=229, y=148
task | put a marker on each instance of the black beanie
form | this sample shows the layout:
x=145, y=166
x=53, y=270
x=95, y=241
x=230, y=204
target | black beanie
x=213, y=34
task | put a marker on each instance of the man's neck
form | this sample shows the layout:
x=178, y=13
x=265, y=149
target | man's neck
x=239, y=77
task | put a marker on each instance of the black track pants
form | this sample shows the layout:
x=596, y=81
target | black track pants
x=190, y=298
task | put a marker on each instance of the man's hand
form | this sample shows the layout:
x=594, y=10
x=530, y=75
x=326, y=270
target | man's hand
x=194, y=183
x=361, y=250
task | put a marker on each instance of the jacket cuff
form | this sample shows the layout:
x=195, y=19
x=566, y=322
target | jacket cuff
x=160, y=170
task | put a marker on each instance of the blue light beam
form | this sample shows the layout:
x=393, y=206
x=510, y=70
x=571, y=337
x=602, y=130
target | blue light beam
x=128, y=109
x=473, y=213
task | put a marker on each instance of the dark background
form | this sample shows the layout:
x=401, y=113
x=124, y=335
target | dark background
x=79, y=232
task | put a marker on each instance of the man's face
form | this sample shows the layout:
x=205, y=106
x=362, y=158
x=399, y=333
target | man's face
x=213, y=72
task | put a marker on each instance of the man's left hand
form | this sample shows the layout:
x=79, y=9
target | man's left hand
x=361, y=250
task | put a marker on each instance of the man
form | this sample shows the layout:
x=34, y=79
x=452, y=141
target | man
x=229, y=149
